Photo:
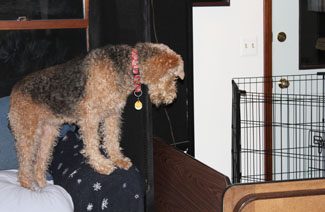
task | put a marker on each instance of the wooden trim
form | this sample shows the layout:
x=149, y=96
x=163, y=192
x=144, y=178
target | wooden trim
x=86, y=9
x=246, y=200
x=44, y=24
x=86, y=18
x=268, y=89
x=268, y=38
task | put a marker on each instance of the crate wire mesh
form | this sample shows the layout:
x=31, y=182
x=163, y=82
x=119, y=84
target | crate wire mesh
x=278, y=135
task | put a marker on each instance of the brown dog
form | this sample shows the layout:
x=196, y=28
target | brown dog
x=86, y=91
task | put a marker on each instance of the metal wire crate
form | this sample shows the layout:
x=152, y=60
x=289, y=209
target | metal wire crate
x=278, y=128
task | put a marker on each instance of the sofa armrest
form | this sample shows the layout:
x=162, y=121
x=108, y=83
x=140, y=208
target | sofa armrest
x=182, y=183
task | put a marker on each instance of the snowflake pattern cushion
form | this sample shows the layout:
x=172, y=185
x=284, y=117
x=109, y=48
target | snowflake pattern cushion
x=121, y=191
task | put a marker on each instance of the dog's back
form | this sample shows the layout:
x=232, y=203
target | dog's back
x=59, y=87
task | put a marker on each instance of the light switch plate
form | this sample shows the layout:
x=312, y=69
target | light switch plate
x=248, y=46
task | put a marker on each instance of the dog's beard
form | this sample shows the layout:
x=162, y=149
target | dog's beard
x=163, y=93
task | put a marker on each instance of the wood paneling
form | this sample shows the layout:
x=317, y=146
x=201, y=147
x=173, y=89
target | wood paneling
x=184, y=184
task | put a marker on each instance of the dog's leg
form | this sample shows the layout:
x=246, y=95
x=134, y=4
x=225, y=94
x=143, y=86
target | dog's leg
x=48, y=135
x=89, y=132
x=111, y=132
x=25, y=146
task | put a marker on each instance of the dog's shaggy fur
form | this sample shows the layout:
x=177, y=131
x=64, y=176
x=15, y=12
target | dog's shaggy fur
x=86, y=91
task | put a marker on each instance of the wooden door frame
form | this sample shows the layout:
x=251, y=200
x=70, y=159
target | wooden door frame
x=267, y=37
x=267, y=30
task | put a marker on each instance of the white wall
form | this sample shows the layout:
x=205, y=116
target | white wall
x=217, y=32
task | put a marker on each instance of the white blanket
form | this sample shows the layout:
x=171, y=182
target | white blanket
x=14, y=198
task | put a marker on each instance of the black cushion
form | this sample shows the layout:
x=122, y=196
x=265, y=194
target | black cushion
x=123, y=190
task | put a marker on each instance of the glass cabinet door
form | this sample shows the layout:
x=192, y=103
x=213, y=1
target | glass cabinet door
x=35, y=34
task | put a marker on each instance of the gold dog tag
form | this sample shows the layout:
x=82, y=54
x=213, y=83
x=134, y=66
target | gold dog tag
x=138, y=105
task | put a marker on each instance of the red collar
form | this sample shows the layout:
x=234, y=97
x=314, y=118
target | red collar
x=136, y=79
x=135, y=70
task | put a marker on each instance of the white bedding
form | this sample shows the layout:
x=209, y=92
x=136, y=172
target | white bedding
x=14, y=198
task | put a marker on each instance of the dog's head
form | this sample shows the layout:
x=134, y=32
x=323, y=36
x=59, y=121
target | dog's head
x=160, y=68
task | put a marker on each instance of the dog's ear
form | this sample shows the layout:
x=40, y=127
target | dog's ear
x=162, y=61
x=179, y=70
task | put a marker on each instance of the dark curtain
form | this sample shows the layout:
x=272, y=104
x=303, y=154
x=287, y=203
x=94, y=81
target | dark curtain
x=128, y=22
x=172, y=25
x=119, y=22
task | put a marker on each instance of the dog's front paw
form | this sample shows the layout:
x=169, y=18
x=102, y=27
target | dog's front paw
x=123, y=163
x=108, y=170
x=105, y=167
